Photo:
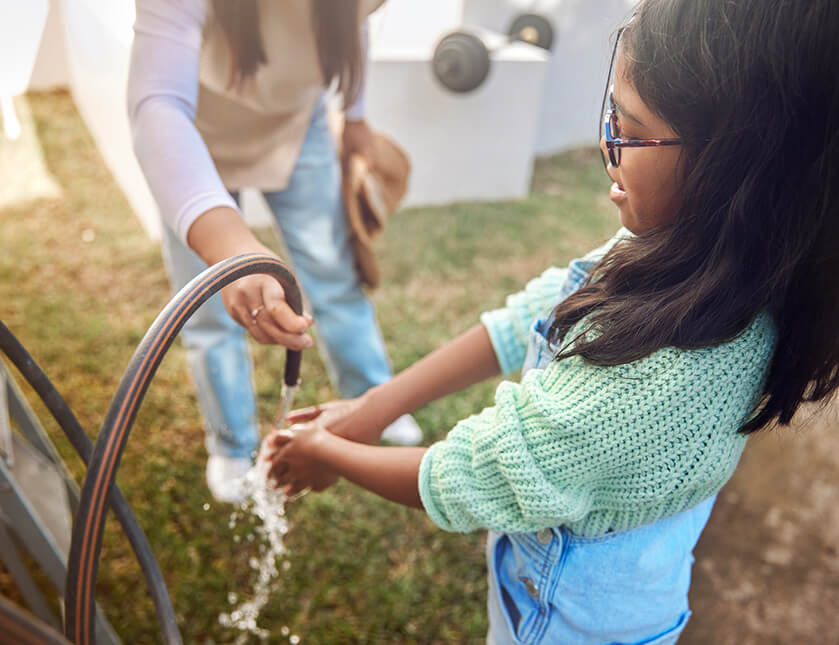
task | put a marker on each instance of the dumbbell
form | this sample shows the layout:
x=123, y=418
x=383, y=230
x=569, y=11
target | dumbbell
x=461, y=59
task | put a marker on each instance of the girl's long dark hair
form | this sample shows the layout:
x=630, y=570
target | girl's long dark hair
x=751, y=88
x=336, y=26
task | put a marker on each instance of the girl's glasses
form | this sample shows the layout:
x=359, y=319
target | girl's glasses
x=614, y=141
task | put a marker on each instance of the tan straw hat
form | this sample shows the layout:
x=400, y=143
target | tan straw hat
x=371, y=195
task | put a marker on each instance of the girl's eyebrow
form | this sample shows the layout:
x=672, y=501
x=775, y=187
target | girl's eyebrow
x=623, y=112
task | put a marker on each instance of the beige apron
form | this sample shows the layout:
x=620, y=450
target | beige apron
x=254, y=133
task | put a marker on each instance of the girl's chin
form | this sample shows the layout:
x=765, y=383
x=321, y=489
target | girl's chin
x=627, y=220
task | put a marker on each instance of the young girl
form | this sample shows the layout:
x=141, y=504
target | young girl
x=647, y=363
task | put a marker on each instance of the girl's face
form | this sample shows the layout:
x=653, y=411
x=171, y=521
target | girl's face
x=647, y=180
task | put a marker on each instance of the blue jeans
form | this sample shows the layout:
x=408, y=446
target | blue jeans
x=309, y=214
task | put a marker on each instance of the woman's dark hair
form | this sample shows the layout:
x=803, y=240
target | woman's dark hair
x=337, y=35
x=751, y=88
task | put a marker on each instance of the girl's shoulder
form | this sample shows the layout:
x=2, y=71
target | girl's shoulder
x=749, y=352
x=728, y=375
x=754, y=345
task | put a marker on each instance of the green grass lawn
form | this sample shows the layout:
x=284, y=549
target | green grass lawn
x=363, y=570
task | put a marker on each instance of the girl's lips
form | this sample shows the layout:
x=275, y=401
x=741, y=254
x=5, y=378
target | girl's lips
x=616, y=193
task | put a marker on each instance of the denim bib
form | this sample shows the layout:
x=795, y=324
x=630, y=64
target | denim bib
x=626, y=587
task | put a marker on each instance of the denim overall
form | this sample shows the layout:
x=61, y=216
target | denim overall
x=552, y=586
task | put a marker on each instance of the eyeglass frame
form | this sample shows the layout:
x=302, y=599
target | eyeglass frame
x=614, y=144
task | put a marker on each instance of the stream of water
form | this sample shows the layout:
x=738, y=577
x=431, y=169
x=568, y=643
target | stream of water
x=267, y=505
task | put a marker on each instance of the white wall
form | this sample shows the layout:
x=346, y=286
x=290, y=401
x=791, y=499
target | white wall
x=98, y=36
x=475, y=146
x=50, y=69
x=472, y=146
x=21, y=28
x=576, y=76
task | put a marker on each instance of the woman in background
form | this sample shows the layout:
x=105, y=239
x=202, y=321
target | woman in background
x=227, y=94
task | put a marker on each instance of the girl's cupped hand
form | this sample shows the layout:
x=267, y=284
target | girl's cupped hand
x=292, y=455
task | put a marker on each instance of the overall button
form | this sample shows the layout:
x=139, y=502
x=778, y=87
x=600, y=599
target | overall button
x=544, y=536
x=531, y=587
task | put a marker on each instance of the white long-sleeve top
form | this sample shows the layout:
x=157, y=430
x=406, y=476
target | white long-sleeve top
x=195, y=137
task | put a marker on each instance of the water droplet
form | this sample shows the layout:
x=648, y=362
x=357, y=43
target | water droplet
x=231, y=598
x=294, y=639
x=285, y=631
x=206, y=507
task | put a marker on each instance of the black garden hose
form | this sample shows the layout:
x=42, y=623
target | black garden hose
x=65, y=418
x=89, y=523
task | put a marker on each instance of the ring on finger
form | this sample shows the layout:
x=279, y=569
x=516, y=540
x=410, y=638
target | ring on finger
x=255, y=312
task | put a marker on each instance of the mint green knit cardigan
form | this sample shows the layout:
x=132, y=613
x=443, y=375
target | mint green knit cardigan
x=595, y=448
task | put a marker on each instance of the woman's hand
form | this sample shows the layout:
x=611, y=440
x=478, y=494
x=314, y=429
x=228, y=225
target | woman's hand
x=257, y=302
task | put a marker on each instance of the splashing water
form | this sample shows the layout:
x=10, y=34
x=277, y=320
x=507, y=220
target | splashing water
x=267, y=505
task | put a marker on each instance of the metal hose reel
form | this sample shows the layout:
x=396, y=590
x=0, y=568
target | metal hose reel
x=99, y=489
x=532, y=28
x=461, y=59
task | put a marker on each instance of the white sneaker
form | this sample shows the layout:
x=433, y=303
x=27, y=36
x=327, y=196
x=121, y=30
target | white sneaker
x=403, y=431
x=225, y=477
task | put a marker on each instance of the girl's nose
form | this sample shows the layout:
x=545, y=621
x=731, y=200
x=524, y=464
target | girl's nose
x=604, y=152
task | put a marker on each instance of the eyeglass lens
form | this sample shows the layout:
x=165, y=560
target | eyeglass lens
x=614, y=131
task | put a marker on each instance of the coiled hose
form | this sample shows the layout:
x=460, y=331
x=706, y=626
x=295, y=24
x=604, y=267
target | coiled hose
x=65, y=418
x=89, y=523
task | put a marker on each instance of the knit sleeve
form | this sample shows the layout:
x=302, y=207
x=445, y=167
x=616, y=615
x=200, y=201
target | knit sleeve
x=600, y=448
x=510, y=326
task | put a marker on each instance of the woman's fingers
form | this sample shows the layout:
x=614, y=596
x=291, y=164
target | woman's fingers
x=278, y=321
x=279, y=310
x=267, y=331
x=258, y=304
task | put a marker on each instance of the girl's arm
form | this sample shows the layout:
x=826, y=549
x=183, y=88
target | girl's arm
x=464, y=361
x=391, y=473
